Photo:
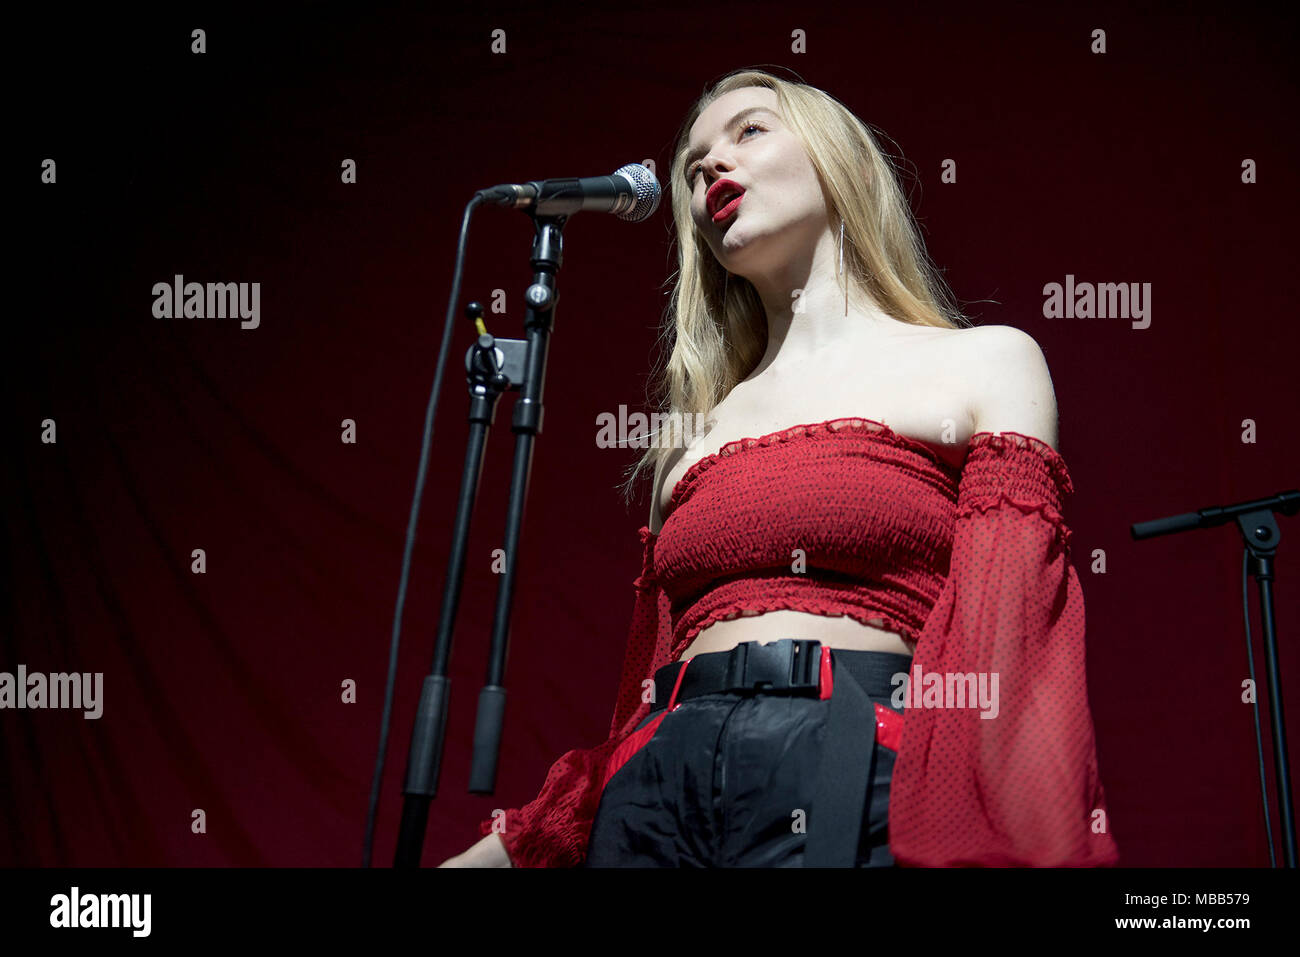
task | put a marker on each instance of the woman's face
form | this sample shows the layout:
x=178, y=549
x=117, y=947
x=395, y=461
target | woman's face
x=782, y=208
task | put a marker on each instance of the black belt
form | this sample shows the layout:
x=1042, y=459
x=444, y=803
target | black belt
x=848, y=759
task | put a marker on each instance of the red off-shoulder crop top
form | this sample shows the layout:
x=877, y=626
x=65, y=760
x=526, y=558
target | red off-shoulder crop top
x=970, y=566
x=852, y=519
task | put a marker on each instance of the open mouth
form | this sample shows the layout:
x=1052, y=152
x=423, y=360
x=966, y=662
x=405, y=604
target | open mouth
x=722, y=196
x=727, y=204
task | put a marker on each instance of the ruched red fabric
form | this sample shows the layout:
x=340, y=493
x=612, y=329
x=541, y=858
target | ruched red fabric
x=971, y=567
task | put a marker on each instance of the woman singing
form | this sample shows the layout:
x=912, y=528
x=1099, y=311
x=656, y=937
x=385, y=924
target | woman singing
x=858, y=639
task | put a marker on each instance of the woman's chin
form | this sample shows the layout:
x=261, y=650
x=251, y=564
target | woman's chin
x=738, y=255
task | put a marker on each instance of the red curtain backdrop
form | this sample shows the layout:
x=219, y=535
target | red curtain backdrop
x=224, y=691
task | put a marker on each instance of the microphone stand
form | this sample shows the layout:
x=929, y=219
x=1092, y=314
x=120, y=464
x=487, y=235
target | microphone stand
x=492, y=365
x=1261, y=535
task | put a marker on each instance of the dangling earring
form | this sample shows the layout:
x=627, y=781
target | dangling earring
x=840, y=271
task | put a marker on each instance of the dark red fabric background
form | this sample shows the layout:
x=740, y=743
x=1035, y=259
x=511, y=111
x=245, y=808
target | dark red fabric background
x=222, y=691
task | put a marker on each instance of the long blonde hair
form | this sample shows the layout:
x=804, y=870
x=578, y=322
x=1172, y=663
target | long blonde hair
x=716, y=323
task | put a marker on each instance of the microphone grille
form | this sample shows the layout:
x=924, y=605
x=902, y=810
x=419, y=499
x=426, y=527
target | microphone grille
x=647, y=188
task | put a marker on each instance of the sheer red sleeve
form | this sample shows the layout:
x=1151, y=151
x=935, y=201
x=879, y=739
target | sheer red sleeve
x=552, y=830
x=1019, y=787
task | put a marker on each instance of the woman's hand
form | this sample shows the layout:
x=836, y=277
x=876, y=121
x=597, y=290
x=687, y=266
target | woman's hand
x=489, y=852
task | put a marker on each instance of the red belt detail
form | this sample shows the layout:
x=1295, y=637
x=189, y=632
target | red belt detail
x=889, y=723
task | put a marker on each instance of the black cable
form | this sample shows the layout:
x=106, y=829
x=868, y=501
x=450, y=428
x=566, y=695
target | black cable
x=429, y=415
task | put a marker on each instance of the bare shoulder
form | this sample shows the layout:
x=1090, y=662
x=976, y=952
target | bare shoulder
x=1010, y=384
x=989, y=339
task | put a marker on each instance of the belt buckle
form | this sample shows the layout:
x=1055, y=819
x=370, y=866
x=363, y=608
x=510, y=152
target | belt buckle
x=791, y=664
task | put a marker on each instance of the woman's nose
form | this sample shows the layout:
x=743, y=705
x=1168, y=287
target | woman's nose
x=717, y=168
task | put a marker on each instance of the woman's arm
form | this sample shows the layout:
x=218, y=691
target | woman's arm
x=489, y=852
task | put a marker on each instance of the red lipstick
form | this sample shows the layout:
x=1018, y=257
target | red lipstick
x=723, y=191
x=726, y=212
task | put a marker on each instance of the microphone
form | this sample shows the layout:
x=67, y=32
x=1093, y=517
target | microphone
x=630, y=192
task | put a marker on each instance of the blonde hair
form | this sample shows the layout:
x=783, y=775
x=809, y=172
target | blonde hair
x=717, y=324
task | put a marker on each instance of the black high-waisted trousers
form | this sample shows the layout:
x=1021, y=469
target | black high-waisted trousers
x=727, y=777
